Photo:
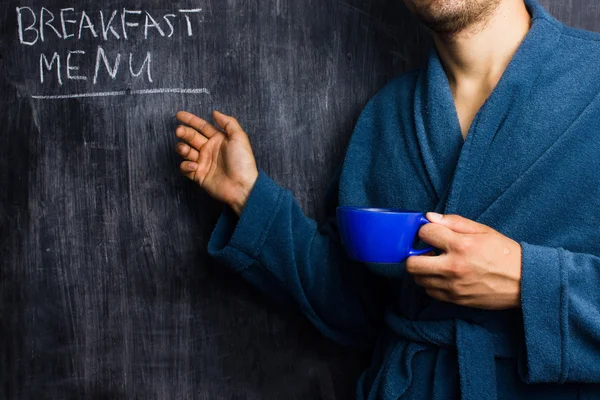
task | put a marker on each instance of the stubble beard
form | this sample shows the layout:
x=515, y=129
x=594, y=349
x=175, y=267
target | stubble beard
x=453, y=16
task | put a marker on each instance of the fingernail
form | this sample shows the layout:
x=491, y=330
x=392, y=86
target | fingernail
x=434, y=215
x=193, y=166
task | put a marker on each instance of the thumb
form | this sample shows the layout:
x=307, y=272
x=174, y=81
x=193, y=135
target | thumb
x=229, y=124
x=456, y=223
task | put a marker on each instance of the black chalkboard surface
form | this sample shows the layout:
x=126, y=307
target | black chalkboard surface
x=106, y=289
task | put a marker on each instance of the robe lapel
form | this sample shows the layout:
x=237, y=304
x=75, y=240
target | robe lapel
x=438, y=131
x=454, y=167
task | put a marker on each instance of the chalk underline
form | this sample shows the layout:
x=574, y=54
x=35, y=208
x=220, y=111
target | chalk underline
x=122, y=93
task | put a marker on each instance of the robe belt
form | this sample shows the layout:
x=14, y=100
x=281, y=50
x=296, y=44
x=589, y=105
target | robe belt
x=476, y=348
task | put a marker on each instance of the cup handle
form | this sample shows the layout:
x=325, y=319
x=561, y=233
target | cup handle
x=413, y=252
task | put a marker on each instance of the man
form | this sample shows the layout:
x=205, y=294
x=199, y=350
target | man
x=498, y=132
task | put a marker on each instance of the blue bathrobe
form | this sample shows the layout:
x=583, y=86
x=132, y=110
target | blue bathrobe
x=529, y=168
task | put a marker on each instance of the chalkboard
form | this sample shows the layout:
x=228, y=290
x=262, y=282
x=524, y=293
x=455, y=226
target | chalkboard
x=106, y=288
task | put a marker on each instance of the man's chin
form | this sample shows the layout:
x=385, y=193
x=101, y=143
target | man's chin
x=446, y=25
x=449, y=17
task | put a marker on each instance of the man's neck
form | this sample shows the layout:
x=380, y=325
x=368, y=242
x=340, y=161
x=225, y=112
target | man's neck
x=475, y=59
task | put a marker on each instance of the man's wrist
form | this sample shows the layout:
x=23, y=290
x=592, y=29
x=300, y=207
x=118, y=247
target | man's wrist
x=237, y=206
x=239, y=201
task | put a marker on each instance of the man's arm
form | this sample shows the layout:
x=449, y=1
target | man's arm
x=560, y=299
x=296, y=262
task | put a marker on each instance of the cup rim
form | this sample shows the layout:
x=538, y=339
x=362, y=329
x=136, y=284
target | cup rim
x=378, y=210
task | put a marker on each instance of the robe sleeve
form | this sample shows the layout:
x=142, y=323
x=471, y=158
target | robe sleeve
x=560, y=301
x=297, y=263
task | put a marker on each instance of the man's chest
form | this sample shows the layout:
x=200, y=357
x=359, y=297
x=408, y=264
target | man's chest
x=537, y=179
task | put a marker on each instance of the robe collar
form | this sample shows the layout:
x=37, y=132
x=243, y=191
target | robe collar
x=451, y=163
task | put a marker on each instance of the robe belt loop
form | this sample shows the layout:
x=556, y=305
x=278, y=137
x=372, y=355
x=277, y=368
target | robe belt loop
x=476, y=349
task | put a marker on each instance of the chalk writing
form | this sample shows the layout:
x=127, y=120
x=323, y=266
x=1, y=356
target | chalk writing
x=123, y=93
x=67, y=24
x=35, y=26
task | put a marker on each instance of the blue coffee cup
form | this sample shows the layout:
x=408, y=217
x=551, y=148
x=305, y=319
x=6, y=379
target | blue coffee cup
x=380, y=235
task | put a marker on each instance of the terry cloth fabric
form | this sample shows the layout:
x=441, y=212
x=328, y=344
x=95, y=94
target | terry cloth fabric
x=529, y=168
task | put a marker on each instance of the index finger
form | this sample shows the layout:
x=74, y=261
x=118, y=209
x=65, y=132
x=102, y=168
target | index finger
x=197, y=123
x=426, y=265
x=437, y=236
